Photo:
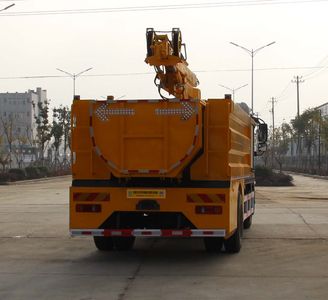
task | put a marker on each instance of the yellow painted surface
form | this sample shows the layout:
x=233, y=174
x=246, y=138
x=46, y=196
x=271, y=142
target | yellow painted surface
x=145, y=140
x=175, y=201
x=227, y=143
x=148, y=141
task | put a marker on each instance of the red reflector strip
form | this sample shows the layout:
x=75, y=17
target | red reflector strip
x=150, y=232
x=93, y=141
x=117, y=232
x=208, y=210
x=208, y=232
x=221, y=197
x=91, y=196
x=89, y=208
x=146, y=233
x=206, y=198
x=154, y=171
x=183, y=158
x=133, y=171
x=172, y=233
x=103, y=158
x=86, y=233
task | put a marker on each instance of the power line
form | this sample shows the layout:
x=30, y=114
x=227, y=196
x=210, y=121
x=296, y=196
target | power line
x=160, y=7
x=152, y=73
x=283, y=94
x=323, y=63
x=63, y=76
x=318, y=68
x=316, y=73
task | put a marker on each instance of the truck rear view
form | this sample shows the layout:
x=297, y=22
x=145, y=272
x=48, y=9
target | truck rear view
x=179, y=167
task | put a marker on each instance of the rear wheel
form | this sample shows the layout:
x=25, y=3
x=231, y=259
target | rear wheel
x=233, y=244
x=104, y=243
x=213, y=244
x=124, y=243
x=248, y=222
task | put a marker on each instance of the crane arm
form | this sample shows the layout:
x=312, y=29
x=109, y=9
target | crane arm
x=172, y=72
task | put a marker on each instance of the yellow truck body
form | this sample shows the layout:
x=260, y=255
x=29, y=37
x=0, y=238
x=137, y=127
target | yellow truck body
x=161, y=168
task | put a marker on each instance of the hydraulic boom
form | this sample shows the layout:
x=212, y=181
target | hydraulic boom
x=172, y=72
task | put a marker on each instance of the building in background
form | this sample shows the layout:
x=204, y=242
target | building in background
x=17, y=123
x=324, y=109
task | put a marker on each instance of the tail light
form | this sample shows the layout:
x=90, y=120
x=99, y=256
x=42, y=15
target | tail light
x=208, y=210
x=88, y=208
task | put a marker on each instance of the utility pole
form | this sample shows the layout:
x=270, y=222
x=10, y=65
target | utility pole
x=273, y=101
x=298, y=80
x=319, y=149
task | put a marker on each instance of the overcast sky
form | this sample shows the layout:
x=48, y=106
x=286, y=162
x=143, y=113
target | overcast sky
x=113, y=44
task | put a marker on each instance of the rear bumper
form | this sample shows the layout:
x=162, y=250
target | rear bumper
x=150, y=232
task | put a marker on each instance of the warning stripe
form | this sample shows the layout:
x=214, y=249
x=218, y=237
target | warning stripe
x=91, y=197
x=206, y=198
x=150, y=232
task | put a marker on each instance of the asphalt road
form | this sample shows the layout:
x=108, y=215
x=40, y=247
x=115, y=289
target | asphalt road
x=284, y=254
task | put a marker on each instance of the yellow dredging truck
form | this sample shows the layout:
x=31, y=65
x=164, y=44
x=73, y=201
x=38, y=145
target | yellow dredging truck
x=179, y=167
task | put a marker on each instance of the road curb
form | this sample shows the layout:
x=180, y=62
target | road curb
x=307, y=175
x=34, y=180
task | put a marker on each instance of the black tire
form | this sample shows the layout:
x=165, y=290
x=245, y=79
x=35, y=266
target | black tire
x=248, y=222
x=213, y=244
x=103, y=243
x=124, y=243
x=150, y=35
x=176, y=42
x=233, y=244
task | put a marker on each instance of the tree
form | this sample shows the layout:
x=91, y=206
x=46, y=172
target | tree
x=306, y=127
x=57, y=133
x=324, y=131
x=4, y=154
x=283, y=135
x=8, y=127
x=43, y=127
x=19, y=148
x=63, y=116
x=267, y=155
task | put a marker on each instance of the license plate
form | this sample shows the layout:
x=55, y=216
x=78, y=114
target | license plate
x=149, y=194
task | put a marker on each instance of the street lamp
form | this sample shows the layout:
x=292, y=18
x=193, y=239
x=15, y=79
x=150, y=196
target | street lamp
x=74, y=76
x=252, y=53
x=233, y=90
x=11, y=5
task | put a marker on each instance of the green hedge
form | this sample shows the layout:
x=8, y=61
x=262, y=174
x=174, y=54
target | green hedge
x=4, y=177
x=32, y=172
x=266, y=177
x=16, y=174
x=44, y=171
